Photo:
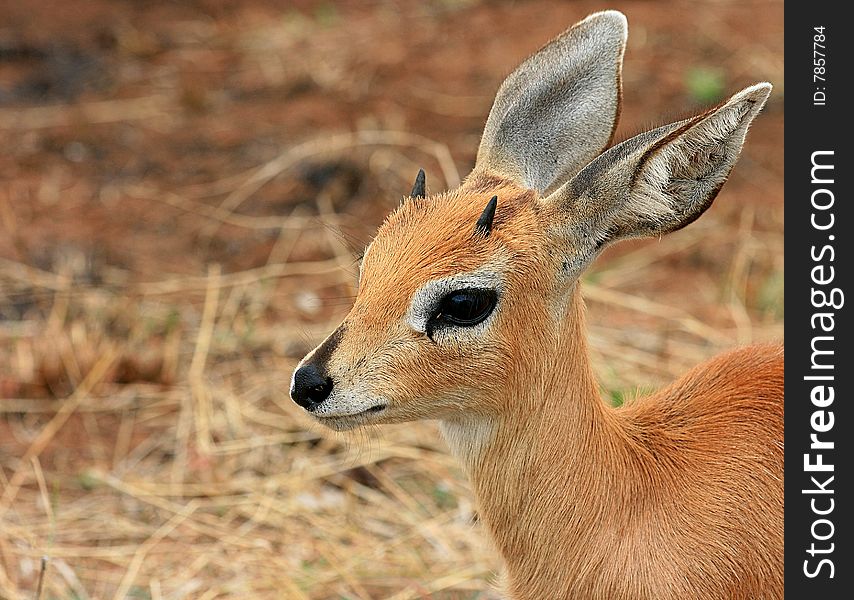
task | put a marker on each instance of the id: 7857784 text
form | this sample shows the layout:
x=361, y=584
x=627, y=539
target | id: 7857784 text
x=819, y=69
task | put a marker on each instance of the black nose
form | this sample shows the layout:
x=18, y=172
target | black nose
x=310, y=387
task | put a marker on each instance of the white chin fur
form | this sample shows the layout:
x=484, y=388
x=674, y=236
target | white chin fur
x=348, y=404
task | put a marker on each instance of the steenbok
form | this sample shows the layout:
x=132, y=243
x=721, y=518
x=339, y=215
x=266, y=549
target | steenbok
x=469, y=312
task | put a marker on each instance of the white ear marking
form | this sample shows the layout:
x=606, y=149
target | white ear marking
x=657, y=181
x=558, y=109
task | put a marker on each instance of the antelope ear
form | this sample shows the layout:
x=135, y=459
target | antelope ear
x=658, y=181
x=559, y=108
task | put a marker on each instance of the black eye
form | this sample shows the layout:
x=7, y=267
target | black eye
x=466, y=308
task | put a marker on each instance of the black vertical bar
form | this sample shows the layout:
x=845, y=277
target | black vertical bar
x=819, y=364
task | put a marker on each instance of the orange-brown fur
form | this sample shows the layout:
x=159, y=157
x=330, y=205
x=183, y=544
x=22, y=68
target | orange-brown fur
x=676, y=495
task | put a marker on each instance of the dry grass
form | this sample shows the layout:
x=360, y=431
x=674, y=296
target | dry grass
x=199, y=478
x=148, y=448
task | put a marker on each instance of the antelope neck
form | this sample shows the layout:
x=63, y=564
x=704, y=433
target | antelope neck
x=557, y=463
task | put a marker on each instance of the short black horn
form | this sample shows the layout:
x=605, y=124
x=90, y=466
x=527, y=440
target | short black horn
x=419, y=190
x=484, y=223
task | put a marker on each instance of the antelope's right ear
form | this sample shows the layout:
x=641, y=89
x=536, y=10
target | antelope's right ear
x=655, y=182
x=558, y=110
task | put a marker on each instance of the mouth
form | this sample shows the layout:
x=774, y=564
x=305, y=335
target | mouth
x=351, y=421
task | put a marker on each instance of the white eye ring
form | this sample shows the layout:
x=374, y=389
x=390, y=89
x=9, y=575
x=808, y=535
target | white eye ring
x=426, y=301
x=463, y=308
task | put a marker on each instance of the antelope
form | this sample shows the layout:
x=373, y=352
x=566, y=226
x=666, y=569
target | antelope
x=469, y=312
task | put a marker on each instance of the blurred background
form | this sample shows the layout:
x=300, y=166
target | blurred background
x=185, y=191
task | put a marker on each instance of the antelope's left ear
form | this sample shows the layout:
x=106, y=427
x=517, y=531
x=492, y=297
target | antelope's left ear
x=658, y=181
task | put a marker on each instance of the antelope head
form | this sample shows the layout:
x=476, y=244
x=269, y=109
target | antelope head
x=464, y=296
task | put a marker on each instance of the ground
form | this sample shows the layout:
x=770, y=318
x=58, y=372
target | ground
x=185, y=189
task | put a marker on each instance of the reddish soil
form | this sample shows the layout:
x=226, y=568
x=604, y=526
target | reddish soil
x=204, y=90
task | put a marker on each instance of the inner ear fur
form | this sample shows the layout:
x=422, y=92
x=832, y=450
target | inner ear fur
x=559, y=108
x=658, y=181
